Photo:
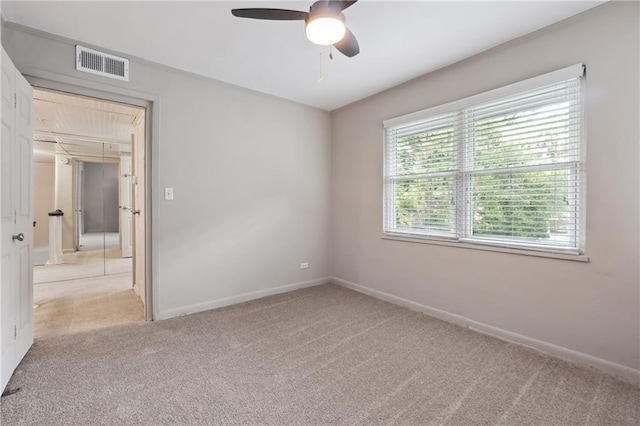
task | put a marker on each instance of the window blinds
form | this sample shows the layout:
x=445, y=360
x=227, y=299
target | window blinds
x=501, y=171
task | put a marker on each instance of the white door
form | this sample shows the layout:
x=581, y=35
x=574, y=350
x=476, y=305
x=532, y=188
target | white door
x=79, y=201
x=126, y=228
x=16, y=235
x=138, y=188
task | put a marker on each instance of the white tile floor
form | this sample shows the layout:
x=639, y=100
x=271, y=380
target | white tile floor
x=91, y=261
x=51, y=291
x=88, y=242
x=98, y=240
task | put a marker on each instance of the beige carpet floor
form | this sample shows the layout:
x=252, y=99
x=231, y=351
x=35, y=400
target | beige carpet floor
x=323, y=355
x=76, y=306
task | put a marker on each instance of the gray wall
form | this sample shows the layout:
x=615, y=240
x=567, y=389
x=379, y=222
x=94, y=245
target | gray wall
x=588, y=307
x=250, y=174
x=43, y=200
x=100, y=196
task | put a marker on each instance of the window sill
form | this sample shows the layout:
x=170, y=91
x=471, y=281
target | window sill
x=471, y=246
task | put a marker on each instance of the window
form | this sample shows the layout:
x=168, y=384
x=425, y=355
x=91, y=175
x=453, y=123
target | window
x=502, y=168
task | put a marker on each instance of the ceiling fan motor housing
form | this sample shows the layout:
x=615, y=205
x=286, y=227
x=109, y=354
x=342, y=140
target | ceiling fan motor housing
x=325, y=25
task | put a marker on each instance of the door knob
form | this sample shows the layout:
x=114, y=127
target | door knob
x=19, y=237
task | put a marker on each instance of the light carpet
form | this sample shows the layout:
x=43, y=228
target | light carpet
x=322, y=355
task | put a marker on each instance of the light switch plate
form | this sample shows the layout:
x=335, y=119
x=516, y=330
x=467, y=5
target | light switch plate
x=168, y=194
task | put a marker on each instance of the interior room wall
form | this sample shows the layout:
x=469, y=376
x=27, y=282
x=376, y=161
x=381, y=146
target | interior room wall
x=250, y=174
x=43, y=200
x=593, y=307
x=100, y=192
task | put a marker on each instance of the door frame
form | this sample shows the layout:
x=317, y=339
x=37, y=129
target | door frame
x=76, y=86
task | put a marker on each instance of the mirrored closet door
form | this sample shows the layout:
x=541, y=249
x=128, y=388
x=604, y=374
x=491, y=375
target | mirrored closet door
x=82, y=187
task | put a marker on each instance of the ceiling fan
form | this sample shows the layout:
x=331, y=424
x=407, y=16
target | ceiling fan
x=325, y=23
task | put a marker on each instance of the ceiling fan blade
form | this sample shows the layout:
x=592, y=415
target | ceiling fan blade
x=341, y=5
x=348, y=46
x=270, y=14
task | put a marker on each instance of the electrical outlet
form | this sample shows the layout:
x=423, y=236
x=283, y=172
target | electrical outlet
x=304, y=265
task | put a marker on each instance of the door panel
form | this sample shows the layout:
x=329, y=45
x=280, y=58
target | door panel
x=7, y=250
x=126, y=235
x=5, y=153
x=16, y=290
x=23, y=164
x=79, y=197
x=26, y=291
x=138, y=168
x=7, y=349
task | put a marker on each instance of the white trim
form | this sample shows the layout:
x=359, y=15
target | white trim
x=626, y=373
x=573, y=71
x=245, y=297
x=487, y=246
x=61, y=82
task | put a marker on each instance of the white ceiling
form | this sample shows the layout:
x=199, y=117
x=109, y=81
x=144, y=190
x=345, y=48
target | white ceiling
x=398, y=40
x=80, y=127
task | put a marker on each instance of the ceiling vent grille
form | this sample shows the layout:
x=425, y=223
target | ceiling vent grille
x=100, y=63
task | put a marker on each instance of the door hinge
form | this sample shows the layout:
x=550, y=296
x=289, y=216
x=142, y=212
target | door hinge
x=15, y=332
x=15, y=100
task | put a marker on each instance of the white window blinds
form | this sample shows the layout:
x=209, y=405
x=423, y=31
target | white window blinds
x=499, y=168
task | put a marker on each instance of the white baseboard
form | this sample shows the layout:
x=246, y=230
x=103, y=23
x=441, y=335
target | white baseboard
x=245, y=297
x=626, y=373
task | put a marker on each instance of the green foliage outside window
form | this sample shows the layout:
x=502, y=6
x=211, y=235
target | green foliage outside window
x=522, y=204
x=427, y=203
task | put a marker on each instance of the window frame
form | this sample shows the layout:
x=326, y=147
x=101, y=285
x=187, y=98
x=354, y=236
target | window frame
x=463, y=176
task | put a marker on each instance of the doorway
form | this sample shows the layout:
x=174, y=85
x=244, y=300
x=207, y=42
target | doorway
x=89, y=236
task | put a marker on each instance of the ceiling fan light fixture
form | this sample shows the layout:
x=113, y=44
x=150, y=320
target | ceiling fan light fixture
x=325, y=23
x=325, y=30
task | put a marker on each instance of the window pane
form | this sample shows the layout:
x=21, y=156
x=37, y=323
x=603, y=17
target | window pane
x=421, y=148
x=425, y=205
x=521, y=134
x=534, y=207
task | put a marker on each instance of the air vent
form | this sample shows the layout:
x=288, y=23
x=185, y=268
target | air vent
x=100, y=63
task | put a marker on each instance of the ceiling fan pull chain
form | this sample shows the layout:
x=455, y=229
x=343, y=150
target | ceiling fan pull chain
x=331, y=52
x=321, y=77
